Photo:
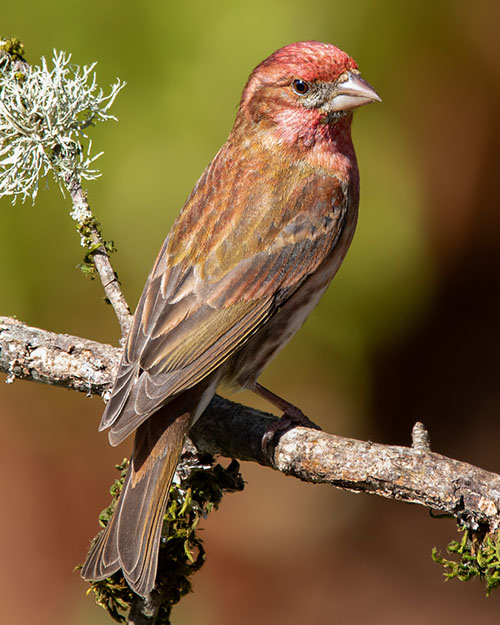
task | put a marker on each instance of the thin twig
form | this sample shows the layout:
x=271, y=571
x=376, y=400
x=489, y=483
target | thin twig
x=111, y=286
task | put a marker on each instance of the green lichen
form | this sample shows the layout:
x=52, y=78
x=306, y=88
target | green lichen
x=477, y=555
x=181, y=550
x=12, y=47
x=12, y=55
x=86, y=229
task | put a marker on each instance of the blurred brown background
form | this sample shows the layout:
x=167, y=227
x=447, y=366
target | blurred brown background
x=408, y=331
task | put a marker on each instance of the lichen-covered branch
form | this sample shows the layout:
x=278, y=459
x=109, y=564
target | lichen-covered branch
x=411, y=474
x=98, y=249
x=59, y=359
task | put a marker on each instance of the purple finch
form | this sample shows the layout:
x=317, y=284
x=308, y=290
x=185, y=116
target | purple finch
x=257, y=243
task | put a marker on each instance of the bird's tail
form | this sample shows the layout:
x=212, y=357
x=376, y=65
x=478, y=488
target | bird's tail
x=131, y=539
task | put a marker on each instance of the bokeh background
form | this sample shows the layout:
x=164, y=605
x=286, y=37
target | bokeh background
x=409, y=330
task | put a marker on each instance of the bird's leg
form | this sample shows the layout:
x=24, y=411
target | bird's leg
x=292, y=416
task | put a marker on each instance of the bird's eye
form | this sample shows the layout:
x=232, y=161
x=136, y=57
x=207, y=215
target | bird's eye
x=300, y=87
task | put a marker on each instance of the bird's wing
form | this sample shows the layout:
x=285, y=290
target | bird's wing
x=213, y=285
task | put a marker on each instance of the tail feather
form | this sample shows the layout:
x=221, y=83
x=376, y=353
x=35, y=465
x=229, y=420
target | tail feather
x=131, y=539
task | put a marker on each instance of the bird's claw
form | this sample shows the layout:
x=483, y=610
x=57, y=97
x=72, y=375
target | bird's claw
x=293, y=417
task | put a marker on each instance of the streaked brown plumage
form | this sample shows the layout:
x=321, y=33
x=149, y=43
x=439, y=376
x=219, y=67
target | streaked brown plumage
x=257, y=243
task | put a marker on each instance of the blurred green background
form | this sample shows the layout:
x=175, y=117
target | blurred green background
x=409, y=330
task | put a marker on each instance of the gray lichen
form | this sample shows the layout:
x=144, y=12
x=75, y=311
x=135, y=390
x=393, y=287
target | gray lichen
x=44, y=114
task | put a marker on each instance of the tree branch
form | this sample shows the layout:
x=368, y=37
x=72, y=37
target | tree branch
x=58, y=359
x=412, y=474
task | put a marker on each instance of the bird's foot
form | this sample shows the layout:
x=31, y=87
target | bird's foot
x=292, y=417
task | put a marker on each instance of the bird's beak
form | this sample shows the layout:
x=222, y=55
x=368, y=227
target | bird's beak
x=352, y=92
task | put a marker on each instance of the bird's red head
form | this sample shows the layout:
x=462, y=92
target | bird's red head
x=308, y=60
x=303, y=89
